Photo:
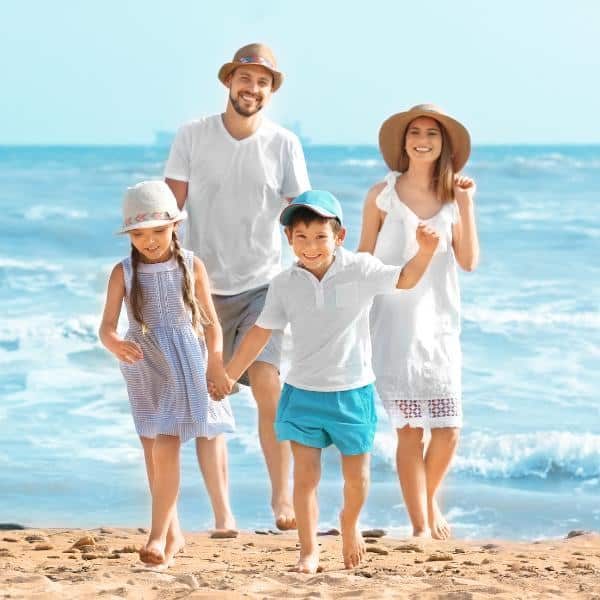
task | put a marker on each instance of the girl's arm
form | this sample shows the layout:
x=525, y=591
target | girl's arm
x=215, y=371
x=125, y=351
x=250, y=347
x=464, y=233
x=372, y=220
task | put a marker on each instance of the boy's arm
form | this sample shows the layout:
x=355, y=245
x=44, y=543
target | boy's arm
x=250, y=347
x=125, y=351
x=413, y=270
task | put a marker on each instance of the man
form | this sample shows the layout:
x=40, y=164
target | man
x=234, y=172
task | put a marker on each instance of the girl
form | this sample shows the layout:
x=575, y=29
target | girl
x=416, y=346
x=163, y=360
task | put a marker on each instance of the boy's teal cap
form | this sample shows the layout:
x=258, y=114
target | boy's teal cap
x=323, y=203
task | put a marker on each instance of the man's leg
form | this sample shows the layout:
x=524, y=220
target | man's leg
x=212, y=458
x=307, y=473
x=356, y=486
x=266, y=389
x=439, y=454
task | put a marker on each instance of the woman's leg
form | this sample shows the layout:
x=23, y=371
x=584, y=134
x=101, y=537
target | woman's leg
x=212, y=458
x=165, y=489
x=413, y=480
x=439, y=454
x=175, y=539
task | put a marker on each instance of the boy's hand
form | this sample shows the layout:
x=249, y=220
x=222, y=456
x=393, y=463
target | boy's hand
x=464, y=190
x=427, y=238
x=126, y=351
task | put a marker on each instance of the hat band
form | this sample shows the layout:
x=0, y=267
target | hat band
x=151, y=216
x=256, y=60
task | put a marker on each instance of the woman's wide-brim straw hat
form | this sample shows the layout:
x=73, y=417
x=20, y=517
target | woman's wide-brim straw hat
x=253, y=54
x=393, y=130
x=149, y=204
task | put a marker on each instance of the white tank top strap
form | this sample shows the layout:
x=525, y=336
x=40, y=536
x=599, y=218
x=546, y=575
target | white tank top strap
x=189, y=262
x=386, y=200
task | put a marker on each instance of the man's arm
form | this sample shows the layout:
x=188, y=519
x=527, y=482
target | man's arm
x=179, y=189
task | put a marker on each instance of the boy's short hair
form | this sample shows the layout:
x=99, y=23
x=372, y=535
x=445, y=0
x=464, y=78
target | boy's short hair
x=308, y=216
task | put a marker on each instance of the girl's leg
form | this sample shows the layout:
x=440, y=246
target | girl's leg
x=212, y=458
x=356, y=486
x=307, y=473
x=413, y=480
x=165, y=489
x=175, y=539
x=439, y=454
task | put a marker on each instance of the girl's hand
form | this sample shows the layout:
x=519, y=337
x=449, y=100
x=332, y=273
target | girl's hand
x=127, y=351
x=218, y=381
x=464, y=190
x=427, y=238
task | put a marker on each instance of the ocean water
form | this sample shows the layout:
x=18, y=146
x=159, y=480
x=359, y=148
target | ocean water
x=528, y=465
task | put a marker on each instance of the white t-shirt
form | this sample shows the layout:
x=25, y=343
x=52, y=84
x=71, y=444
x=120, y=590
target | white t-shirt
x=329, y=319
x=236, y=190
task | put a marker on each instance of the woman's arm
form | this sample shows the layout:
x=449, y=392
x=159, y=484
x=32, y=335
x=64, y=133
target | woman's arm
x=465, y=241
x=372, y=220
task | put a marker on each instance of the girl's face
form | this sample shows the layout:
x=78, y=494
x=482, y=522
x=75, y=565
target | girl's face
x=153, y=243
x=423, y=140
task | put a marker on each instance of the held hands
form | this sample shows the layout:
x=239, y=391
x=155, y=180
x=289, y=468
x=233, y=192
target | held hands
x=464, y=190
x=126, y=351
x=427, y=238
x=219, y=383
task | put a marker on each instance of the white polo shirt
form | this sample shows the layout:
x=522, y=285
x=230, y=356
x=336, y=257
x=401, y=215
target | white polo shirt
x=236, y=190
x=329, y=319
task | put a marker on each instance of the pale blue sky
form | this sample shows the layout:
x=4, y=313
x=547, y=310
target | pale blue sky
x=114, y=71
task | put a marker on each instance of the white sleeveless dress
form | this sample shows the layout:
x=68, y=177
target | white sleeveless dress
x=416, y=333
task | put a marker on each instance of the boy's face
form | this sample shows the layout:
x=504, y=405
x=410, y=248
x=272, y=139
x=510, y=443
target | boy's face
x=153, y=243
x=314, y=245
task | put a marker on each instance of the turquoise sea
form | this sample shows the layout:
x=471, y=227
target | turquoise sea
x=529, y=460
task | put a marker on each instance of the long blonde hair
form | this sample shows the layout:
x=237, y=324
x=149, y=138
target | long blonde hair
x=200, y=318
x=443, y=173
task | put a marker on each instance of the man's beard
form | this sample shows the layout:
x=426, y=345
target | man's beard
x=242, y=112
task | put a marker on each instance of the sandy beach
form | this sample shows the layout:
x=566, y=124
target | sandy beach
x=73, y=563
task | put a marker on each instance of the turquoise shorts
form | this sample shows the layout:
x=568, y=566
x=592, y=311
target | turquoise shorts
x=318, y=419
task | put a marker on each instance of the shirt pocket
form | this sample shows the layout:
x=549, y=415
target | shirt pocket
x=346, y=295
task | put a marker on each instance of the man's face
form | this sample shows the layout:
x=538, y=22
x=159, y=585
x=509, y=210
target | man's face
x=250, y=88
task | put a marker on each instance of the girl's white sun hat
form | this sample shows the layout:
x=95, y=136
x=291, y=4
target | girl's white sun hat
x=149, y=204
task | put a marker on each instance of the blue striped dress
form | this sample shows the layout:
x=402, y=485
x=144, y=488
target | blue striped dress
x=167, y=388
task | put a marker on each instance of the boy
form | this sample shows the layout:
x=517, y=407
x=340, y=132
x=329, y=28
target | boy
x=328, y=394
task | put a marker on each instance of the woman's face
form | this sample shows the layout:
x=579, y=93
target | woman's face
x=423, y=140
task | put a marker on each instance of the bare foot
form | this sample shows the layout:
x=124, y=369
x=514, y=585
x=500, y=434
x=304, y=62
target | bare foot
x=353, y=545
x=152, y=553
x=440, y=530
x=175, y=544
x=422, y=533
x=284, y=515
x=308, y=564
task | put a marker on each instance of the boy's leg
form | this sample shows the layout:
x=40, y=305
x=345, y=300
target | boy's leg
x=413, y=479
x=266, y=389
x=175, y=539
x=165, y=489
x=356, y=486
x=212, y=458
x=307, y=473
x=440, y=452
